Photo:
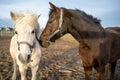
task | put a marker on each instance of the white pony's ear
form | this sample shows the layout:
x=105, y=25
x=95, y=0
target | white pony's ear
x=14, y=16
x=39, y=15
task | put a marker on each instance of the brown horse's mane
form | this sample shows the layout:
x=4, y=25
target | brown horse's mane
x=95, y=19
x=50, y=12
x=87, y=17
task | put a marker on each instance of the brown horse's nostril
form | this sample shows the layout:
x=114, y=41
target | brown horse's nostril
x=46, y=44
x=28, y=57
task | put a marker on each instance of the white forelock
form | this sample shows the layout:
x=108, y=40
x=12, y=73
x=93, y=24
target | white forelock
x=27, y=19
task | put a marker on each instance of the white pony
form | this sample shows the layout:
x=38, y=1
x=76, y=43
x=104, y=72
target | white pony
x=24, y=46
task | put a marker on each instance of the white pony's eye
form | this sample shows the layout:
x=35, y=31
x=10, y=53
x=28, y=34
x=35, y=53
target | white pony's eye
x=16, y=32
x=33, y=32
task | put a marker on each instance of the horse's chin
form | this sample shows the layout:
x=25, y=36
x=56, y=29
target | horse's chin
x=53, y=41
x=45, y=45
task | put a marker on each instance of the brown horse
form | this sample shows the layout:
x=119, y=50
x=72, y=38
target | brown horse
x=98, y=46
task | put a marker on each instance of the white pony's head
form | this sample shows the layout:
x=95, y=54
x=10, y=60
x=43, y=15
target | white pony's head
x=27, y=31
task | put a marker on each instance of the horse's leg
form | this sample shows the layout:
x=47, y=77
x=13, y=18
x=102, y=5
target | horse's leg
x=88, y=72
x=112, y=69
x=14, y=72
x=100, y=72
x=22, y=70
x=108, y=72
x=34, y=72
x=100, y=76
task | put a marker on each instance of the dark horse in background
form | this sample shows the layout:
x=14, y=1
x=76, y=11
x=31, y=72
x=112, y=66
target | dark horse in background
x=98, y=46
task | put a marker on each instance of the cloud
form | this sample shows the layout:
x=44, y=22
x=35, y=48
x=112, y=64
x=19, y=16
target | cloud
x=38, y=6
x=97, y=8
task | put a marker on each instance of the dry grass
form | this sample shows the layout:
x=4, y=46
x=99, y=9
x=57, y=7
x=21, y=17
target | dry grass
x=57, y=60
x=68, y=37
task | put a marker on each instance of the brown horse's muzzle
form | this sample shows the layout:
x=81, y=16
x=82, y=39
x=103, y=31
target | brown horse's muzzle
x=44, y=42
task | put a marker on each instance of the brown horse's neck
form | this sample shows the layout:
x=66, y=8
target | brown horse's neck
x=85, y=31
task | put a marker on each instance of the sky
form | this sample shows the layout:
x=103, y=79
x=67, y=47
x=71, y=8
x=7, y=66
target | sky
x=106, y=10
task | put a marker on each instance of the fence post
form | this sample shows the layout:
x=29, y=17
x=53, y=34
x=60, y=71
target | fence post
x=6, y=33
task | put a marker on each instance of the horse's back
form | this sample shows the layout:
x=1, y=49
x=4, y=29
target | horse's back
x=113, y=30
x=114, y=34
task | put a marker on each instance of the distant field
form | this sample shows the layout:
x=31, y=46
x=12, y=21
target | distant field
x=66, y=37
x=60, y=61
x=6, y=33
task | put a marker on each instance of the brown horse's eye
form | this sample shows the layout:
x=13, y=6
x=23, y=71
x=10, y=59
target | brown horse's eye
x=51, y=20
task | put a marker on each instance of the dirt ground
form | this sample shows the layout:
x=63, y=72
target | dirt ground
x=60, y=61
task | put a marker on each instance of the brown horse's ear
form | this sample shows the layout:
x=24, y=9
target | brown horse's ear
x=52, y=6
x=13, y=16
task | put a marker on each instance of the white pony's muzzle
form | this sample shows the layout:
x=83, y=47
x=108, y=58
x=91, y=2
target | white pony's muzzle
x=22, y=58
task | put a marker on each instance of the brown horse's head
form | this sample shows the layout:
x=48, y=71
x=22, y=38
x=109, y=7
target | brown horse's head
x=55, y=27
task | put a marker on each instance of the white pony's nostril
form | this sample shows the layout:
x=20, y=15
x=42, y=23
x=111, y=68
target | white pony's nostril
x=21, y=58
x=28, y=57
